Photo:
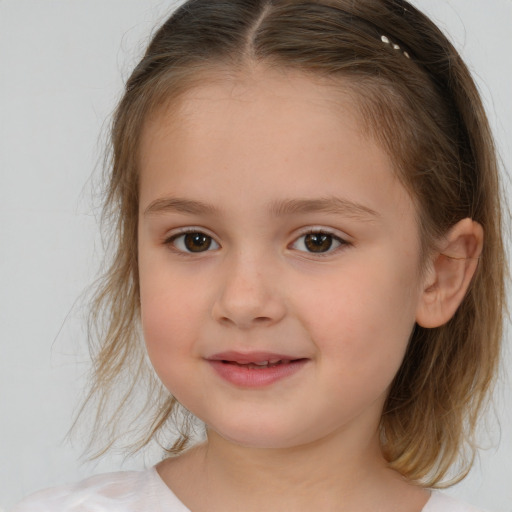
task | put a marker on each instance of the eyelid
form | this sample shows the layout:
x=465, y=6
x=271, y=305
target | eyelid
x=337, y=233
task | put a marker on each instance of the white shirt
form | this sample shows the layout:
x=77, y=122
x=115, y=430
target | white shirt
x=145, y=491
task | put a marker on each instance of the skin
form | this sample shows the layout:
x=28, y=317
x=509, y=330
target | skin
x=243, y=147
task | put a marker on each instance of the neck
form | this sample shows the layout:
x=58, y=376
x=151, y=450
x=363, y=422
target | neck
x=321, y=465
x=339, y=472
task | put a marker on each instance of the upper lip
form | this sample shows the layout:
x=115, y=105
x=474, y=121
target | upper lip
x=251, y=357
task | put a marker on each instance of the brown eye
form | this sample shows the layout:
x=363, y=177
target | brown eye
x=193, y=242
x=318, y=243
x=197, y=242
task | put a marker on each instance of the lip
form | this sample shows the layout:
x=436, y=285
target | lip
x=236, y=367
x=250, y=357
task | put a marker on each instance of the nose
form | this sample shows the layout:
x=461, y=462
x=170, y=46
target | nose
x=249, y=295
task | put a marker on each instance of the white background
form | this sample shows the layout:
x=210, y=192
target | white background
x=62, y=66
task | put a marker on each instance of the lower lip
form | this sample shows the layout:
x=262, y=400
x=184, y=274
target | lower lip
x=244, y=376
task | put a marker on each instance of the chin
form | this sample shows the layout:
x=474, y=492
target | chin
x=263, y=437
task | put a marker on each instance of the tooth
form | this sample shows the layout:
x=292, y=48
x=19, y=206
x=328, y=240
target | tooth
x=274, y=361
x=263, y=363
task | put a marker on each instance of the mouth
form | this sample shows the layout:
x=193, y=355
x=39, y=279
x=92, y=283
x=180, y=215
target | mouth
x=255, y=369
x=260, y=365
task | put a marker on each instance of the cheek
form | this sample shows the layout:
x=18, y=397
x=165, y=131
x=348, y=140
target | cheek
x=166, y=316
x=169, y=320
x=168, y=298
x=169, y=332
x=362, y=317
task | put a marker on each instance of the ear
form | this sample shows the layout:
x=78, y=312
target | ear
x=451, y=270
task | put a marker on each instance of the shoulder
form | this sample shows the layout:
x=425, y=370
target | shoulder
x=440, y=502
x=127, y=491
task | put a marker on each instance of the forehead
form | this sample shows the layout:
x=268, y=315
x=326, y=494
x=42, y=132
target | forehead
x=281, y=133
x=258, y=90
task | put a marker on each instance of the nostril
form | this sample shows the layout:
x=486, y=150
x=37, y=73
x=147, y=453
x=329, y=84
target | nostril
x=226, y=320
x=262, y=319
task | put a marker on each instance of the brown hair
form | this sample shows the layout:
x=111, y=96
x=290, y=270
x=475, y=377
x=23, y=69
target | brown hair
x=419, y=101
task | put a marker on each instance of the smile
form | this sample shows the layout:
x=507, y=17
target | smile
x=255, y=369
x=260, y=365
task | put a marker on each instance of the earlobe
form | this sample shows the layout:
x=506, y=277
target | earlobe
x=451, y=269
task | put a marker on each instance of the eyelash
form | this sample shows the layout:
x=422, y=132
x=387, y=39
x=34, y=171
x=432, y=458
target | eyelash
x=338, y=241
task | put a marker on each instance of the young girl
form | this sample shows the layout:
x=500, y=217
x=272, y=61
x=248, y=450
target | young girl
x=307, y=214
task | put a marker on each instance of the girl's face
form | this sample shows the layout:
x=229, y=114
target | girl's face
x=279, y=261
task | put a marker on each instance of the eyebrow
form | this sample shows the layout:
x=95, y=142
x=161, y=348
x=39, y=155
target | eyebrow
x=181, y=205
x=334, y=205
x=279, y=208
